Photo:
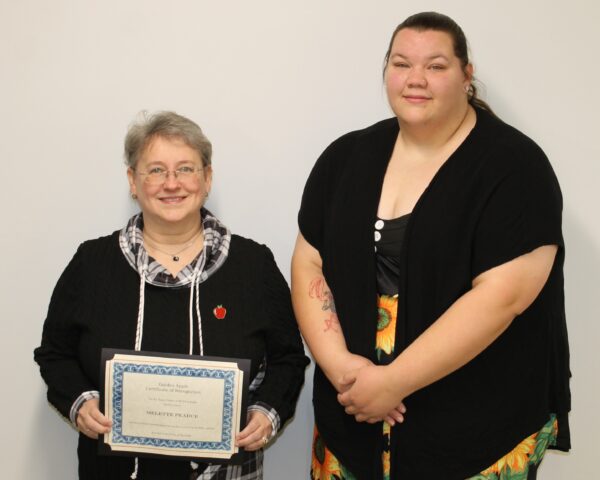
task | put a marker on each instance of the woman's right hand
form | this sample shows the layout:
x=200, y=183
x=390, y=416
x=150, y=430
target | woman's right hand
x=356, y=362
x=347, y=363
x=91, y=421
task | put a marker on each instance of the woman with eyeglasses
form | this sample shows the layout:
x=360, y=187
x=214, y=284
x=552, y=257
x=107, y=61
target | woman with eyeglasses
x=176, y=274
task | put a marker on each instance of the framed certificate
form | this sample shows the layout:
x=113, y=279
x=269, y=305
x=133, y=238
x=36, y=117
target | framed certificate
x=174, y=405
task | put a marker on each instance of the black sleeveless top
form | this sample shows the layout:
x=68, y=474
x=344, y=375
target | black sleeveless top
x=389, y=235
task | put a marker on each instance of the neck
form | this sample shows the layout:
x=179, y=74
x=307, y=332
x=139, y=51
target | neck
x=171, y=234
x=435, y=135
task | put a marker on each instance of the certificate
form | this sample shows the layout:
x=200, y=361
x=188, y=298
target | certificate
x=175, y=405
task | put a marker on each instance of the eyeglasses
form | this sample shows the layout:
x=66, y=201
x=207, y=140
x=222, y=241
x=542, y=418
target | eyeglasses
x=159, y=175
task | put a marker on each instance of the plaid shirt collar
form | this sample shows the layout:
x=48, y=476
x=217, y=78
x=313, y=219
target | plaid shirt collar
x=217, y=238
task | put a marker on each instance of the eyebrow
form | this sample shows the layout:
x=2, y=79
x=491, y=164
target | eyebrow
x=431, y=57
x=179, y=163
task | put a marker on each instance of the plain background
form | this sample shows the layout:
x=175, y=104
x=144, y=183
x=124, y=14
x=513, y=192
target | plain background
x=271, y=83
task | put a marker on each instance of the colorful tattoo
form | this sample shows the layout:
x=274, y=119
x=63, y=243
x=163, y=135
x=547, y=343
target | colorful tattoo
x=318, y=289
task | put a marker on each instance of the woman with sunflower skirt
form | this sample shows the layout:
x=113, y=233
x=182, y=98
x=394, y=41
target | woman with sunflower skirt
x=427, y=282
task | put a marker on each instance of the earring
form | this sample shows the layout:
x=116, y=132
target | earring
x=133, y=196
x=466, y=88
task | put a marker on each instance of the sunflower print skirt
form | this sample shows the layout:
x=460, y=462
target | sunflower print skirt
x=514, y=465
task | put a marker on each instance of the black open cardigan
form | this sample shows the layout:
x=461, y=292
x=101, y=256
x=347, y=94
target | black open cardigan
x=494, y=199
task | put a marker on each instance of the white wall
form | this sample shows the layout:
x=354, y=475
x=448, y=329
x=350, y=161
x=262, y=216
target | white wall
x=272, y=83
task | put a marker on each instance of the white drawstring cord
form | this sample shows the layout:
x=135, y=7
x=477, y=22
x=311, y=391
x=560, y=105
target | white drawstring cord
x=200, y=338
x=191, y=315
x=194, y=289
x=195, y=285
x=135, y=470
x=139, y=331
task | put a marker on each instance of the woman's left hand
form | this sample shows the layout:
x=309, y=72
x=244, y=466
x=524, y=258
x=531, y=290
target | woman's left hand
x=257, y=432
x=372, y=394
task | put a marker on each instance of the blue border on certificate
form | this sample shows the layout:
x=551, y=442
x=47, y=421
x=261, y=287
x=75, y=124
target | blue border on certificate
x=228, y=396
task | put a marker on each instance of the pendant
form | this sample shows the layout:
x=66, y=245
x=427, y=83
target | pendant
x=175, y=258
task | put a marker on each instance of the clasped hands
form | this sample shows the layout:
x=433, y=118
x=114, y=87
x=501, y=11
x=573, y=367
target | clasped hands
x=368, y=393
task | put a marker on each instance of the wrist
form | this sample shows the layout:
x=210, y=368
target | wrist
x=399, y=380
x=343, y=363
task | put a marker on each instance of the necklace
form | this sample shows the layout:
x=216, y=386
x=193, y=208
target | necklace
x=175, y=255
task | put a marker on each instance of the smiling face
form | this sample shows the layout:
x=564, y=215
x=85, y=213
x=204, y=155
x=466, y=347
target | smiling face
x=175, y=202
x=425, y=81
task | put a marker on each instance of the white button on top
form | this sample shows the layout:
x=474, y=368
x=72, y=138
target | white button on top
x=377, y=236
x=379, y=224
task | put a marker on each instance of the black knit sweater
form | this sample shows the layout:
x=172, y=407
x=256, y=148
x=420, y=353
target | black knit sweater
x=95, y=305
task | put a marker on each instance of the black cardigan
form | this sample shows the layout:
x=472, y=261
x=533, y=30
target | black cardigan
x=95, y=305
x=494, y=199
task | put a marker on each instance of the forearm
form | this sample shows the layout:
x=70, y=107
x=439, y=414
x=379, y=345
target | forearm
x=315, y=312
x=318, y=321
x=474, y=321
x=470, y=325
x=63, y=376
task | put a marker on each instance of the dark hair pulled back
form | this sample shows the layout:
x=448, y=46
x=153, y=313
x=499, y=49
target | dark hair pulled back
x=442, y=23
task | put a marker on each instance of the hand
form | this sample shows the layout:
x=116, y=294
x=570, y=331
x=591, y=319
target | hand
x=91, y=421
x=348, y=363
x=372, y=395
x=257, y=432
x=396, y=415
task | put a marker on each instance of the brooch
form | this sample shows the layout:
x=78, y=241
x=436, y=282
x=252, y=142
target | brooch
x=219, y=312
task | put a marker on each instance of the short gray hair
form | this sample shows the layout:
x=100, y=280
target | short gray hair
x=166, y=125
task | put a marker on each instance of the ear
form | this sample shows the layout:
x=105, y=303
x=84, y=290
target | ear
x=468, y=74
x=131, y=180
x=208, y=174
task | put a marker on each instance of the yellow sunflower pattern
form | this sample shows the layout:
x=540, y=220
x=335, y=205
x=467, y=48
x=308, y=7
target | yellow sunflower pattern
x=515, y=464
x=385, y=455
x=387, y=310
x=325, y=465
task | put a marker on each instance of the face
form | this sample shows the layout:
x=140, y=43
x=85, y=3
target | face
x=176, y=200
x=425, y=81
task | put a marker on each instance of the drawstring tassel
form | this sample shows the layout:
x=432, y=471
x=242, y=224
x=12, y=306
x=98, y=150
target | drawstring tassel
x=135, y=470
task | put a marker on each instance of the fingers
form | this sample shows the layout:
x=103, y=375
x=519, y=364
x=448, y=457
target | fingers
x=393, y=417
x=91, y=421
x=389, y=420
x=257, y=432
x=361, y=417
x=344, y=399
x=396, y=415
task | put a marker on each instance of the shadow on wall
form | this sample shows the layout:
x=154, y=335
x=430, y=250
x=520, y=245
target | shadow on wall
x=53, y=443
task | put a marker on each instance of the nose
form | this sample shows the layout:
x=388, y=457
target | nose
x=171, y=180
x=417, y=78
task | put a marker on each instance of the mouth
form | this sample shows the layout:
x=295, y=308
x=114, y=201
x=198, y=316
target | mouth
x=416, y=98
x=172, y=200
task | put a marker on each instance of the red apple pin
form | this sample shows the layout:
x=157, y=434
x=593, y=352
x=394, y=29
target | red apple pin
x=220, y=311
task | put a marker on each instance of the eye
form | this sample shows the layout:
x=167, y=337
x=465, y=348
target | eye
x=401, y=65
x=437, y=66
x=186, y=169
x=156, y=171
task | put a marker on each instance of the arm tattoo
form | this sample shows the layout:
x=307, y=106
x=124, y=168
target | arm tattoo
x=318, y=289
